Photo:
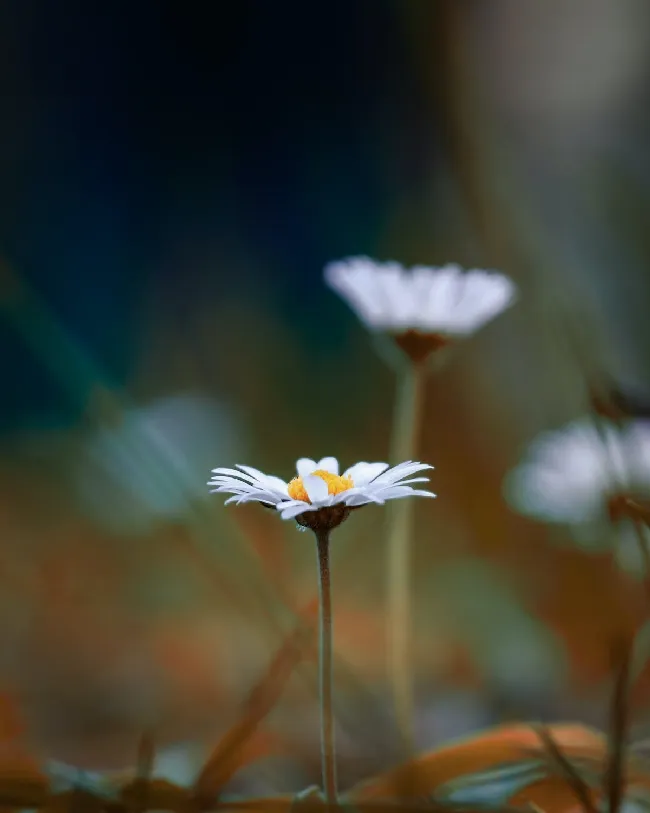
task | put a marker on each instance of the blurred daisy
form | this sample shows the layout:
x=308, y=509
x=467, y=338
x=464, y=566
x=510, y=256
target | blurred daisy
x=148, y=465
x=424, y=307
x=588, y=474
x=319, y=497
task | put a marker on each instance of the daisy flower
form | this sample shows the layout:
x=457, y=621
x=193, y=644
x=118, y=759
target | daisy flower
x=319, y=497
x=587, y=474
x=425, y=308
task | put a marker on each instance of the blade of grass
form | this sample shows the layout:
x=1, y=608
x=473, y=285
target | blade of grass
x=573, y=779
x=614, y=780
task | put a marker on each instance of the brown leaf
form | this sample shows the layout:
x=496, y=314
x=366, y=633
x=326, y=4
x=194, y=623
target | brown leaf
x=230, y=755
x=157, y=794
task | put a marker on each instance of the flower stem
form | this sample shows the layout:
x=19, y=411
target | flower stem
x=328, y=751
x=406, y=426
x=645, y=555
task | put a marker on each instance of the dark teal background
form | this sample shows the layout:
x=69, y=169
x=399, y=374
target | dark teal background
x=134, y=129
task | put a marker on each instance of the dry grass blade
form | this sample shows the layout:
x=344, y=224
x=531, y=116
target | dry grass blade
x=226, y=758
x=614, y=779
x=558, y=759
x=146, y=756
x=141, y=785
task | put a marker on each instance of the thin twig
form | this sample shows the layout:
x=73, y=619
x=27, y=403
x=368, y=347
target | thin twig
x=613, y=784
x=579, y=787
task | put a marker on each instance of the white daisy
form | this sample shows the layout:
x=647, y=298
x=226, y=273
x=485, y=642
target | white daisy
x=581, y=472
x=446, y=301
x=588, y=473
x=320, y=498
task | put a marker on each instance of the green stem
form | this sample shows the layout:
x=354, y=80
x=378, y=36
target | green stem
x=328, y=751
x=406, y=426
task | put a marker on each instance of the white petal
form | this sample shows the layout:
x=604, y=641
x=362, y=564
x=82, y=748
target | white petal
x=334, y=499
x=395, y=492
x=398, y=472
x=484, y=295
x=234, y=473
x=436, y=311
x=258, y=496
x=276, y=484
x=305, y=466
x=316, y=488
x=362, y=473
x=362, y=498
x=255, y=473
x=233, y=488
x=355, y=280
x=329, y=464
x=289, y=503
x=239, y=487
x=295, y=510
x=261, y=496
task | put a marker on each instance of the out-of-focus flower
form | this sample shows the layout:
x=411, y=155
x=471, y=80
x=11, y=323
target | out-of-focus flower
x=583, y=472
x=149, y=464
x=319, y=497
x=587, y=474
x=444, y=303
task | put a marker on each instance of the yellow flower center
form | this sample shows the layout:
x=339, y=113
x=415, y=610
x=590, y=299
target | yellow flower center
x=335, y=485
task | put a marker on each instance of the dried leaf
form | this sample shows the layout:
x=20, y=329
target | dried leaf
x=493, y=787
x=230, y=756
x=159, y=795
x=428, y=772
